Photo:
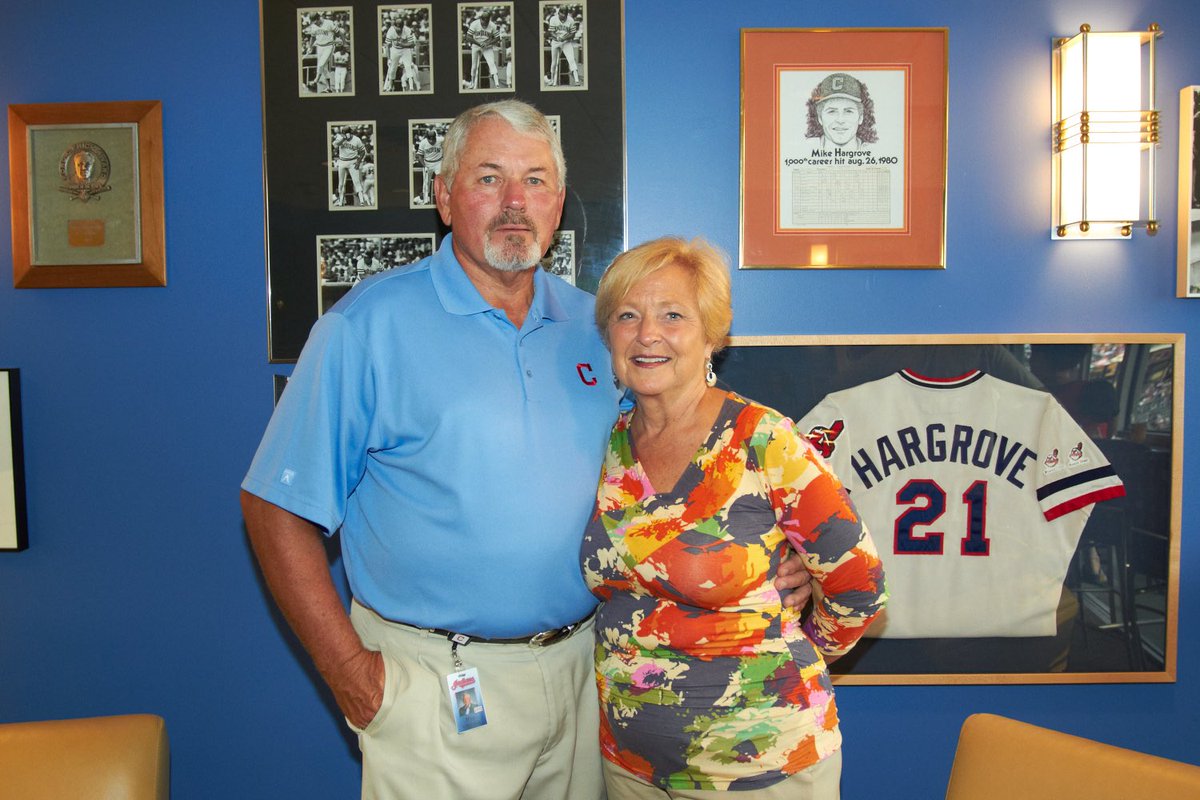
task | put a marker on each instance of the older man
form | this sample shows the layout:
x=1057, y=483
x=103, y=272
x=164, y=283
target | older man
x=455, y=407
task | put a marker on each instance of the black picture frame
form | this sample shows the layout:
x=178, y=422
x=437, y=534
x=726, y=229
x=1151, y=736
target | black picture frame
x=297, y=138
x=1123, y=629
x=14, y=524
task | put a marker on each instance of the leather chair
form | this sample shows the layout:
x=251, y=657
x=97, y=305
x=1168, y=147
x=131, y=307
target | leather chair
x=110, y=758
x=1002, y=758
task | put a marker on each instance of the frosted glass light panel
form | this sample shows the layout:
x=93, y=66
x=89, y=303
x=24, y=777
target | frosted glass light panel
x=1105, y=134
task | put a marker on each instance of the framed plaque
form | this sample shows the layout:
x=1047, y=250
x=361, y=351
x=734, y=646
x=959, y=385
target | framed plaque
x=87, y=194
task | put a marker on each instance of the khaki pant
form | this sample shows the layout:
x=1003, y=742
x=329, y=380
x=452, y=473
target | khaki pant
x=541, y=740
x=818, y=782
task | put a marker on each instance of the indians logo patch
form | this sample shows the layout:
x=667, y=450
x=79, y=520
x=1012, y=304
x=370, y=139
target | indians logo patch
x=823, y=438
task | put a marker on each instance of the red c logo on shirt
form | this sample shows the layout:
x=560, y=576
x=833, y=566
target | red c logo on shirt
x=585, y=374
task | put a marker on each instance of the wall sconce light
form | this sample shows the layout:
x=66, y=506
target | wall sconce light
x=1105, y=132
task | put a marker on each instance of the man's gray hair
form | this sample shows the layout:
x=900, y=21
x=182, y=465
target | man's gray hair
x=524, y=118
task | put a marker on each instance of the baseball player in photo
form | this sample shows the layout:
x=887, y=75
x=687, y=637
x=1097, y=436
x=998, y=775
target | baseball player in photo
x=324, y=32
x=350, y=152
x=341, y=68
x=367, y=170
x=429, y=157
x=484, y=38
x=564, y=33
x=400, y=42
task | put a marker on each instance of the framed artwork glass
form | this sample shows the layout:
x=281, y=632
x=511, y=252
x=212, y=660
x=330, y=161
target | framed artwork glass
x=1023, y=491
x=1189, y=193
x=357, y=98
x=87, y=194
x=843, y=160
x=13, y=521
x=345, y=259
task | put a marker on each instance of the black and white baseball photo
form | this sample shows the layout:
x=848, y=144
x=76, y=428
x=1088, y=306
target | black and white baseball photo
x=325, y=51
x=560, y=258
x=343, y=261
x=405, y=49
x=353, y=165
x=485, y=46
x=379, y=84
x=425, y=158
x=564, y=46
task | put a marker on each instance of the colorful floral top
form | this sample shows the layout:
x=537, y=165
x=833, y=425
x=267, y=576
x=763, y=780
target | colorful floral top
x=706, y=681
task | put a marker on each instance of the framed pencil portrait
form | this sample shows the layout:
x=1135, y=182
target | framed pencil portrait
x=13, y=527
x=843, y=148
x=357, y=99
x=1023, y=491
x=87, y=194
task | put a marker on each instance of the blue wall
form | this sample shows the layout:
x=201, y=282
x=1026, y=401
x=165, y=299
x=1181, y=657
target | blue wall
x=143, y=406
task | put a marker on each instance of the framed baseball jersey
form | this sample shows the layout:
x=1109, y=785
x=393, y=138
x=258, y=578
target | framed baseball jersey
x=1024, y=491
x=976, y=489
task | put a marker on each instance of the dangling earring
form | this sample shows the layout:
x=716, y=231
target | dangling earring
x=710, y=377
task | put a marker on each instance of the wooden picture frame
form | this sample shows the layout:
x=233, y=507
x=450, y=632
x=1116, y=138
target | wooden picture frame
x=412, y=68
x=1188, y=261
x=87, y=194
x=1108, y=598
x=864, y=184
x=14, y=531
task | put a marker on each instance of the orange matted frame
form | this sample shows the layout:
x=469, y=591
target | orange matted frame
x=87, y=211
x=877, y=201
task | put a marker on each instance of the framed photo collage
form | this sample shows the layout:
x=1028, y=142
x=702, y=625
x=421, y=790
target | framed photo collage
x=357, y=99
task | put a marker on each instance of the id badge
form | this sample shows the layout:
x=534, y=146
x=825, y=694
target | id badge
x=466, y=699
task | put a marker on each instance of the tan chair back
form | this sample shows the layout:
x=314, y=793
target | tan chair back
x=115, y=758
x=1002, y=758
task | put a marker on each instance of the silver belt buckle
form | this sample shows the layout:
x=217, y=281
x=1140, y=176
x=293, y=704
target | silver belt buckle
x=539, y=639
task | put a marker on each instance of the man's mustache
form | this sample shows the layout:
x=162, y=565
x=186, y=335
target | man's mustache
x=513, y=218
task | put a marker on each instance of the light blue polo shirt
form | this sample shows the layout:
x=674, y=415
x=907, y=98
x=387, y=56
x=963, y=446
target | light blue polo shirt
x=458, y=455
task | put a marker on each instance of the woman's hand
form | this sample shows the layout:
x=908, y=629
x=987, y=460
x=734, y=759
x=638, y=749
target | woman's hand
x=794, y=578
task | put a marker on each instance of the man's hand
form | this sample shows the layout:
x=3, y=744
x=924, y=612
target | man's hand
x=358, y=687
x=291, y=555
x=794, y=577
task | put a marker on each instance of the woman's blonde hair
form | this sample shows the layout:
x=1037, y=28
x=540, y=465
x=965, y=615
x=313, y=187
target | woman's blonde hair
x=707, y=265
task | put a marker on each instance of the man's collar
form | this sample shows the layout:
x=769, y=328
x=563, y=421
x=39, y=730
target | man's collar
x=458, y=294
x=546, y=301
x=454, y=289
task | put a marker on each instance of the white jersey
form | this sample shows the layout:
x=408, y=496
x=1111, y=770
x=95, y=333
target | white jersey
x=323, y=32
x=400, y=38
x=481, y=35
x=351, y=148
x=429, y=154
x=561, y=30
x=985, y=487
